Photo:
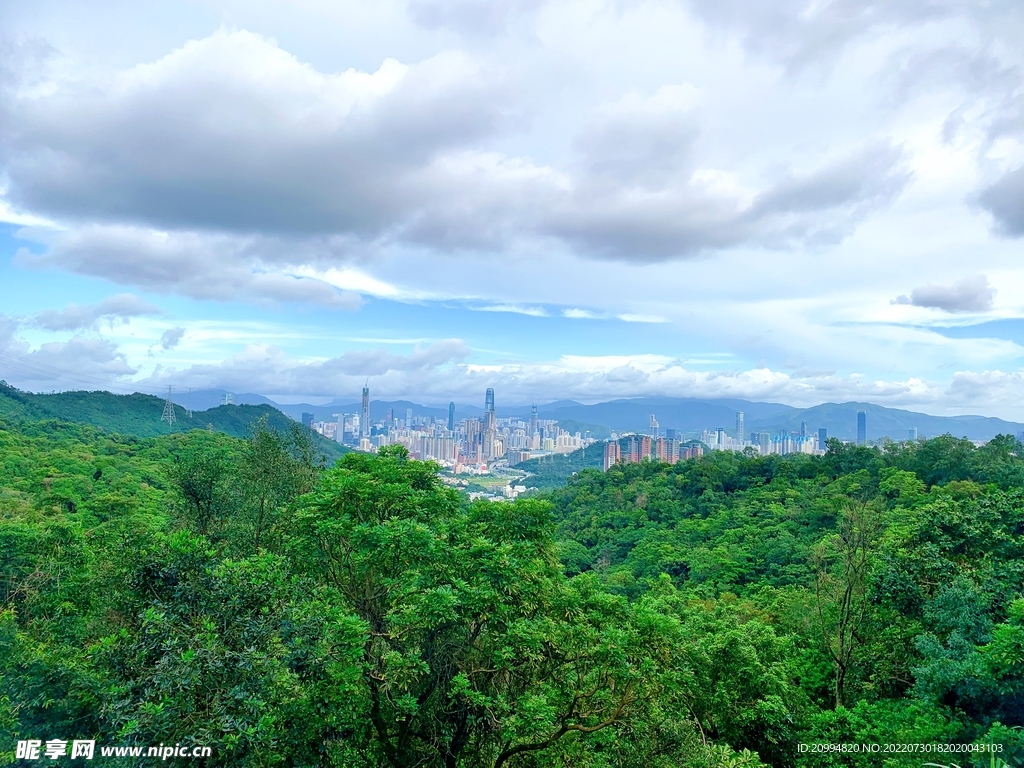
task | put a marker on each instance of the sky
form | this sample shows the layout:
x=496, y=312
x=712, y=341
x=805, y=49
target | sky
x=800, y=201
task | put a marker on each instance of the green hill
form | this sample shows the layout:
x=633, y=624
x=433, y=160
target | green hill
x=138, y=414
x=553, y=471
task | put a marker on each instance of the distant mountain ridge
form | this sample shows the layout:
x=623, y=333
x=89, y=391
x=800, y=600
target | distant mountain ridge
x=139, y=414
x=688, y=415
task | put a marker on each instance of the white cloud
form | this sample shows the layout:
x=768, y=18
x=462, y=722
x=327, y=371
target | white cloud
x=630, y=318
x=513, y=308
x=232, y=133
x=121, y=307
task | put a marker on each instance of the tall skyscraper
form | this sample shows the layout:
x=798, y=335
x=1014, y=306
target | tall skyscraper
x=862, y=427
x=912, y=434
x=822, y=438
x=533, y=421
x=307, y=419
x=490, y=426
x=654, y=426
x=740, y=432
x=803, y=429
x=451, y=417
x=364, y=414
x=408, y=418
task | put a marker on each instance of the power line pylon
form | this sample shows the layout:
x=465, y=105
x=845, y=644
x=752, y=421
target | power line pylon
x=168, y=414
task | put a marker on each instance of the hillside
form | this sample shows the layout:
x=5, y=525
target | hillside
x=138, y=414
x=553, y=471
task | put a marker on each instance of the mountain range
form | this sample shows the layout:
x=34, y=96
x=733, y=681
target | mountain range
x=140, y=414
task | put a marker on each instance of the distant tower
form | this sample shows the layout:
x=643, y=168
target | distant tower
x=654, y=426
x=307, y=420
x=803, y=429
x=490, y=426
x=451, y=417
x=364, y=415
x=862, y=427
x=533, y=421
x=408, y=418
x=912, y=434
x=740, y=432
x=168, y=414
x=228, y=399
x=822, y=438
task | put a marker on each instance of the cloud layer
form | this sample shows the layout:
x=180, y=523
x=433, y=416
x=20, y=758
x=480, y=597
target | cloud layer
x=235, y=135
x=576, y=198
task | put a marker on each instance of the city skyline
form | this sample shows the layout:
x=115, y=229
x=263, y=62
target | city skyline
x=481, y=444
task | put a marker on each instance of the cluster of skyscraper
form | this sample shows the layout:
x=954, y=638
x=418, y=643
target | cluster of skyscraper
x=669, y=450
x=637, y=448
x=473, y=442
x=476, y=443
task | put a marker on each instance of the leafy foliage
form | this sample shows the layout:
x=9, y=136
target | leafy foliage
x=198, y=588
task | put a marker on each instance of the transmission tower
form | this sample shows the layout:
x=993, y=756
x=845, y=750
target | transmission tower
x=168, y=414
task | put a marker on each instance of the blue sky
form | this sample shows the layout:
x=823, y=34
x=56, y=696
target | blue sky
x=557, y=198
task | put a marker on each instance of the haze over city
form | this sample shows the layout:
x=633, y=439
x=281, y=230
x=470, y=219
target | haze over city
x=586, y=200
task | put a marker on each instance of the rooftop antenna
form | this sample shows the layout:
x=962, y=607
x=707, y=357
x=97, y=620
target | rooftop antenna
x=168, y=414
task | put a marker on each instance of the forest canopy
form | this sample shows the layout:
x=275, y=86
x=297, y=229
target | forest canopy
x=198, y=588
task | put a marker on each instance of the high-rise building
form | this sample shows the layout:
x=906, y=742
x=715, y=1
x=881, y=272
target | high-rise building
x=307, y=420
x=612, y=455
x=408, y=418
x=490, y=426
x=645, y=448
x=803, y=429
x=670, y=434
x=654, y=426
x=912, y=434
x=764, y=441
x=533, y=421
x=451, y=417
x=862, y=427
x=740, y=432
x=364, y=414
x=822, y=438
